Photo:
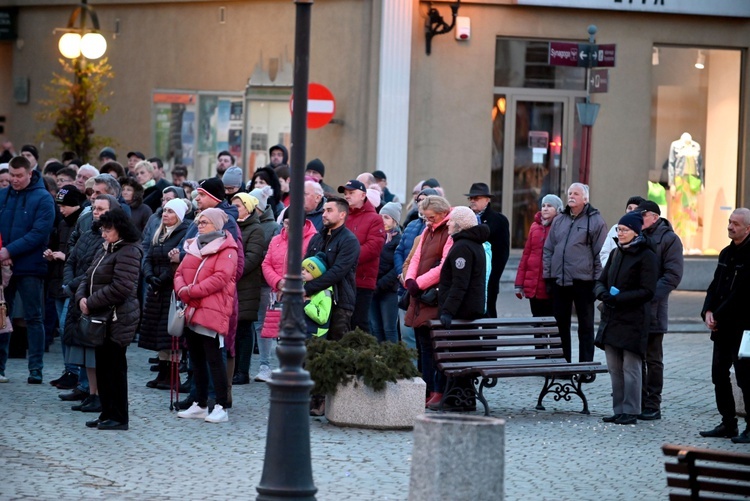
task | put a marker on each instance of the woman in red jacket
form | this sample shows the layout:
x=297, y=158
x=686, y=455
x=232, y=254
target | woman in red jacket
x=205, y=281
x=529, y=281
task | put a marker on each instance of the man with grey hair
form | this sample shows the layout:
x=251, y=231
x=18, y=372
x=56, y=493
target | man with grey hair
x=724, y=312
x=571, y=266
x=314, y=202
x=85, y=172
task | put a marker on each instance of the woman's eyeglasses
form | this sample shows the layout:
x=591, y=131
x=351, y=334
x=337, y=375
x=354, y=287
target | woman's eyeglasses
x=203, y=223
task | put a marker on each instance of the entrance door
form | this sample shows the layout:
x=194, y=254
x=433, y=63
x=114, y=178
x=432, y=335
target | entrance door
x=538, y=138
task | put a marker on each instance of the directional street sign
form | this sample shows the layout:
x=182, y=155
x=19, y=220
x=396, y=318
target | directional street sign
x=581, y=54
x=599, y=80
x=563, y=54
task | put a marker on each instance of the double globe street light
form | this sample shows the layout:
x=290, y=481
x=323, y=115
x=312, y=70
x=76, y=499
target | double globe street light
x=80, y=41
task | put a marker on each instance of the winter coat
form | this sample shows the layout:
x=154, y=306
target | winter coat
x=318, y=313
x=230, y=226
x=59, y=243
x=463, y=273
x=268, y=222
x=316, y=215
x=530, y=268
x=499, y=241
x=727, y=294
x=387, y=272
x=152, y=196
x=669, y=264
x=140, y=214
x=627, y=315
x=153, y=333
x=254, y=248
x=27, y=218
x=109, y=283
x=210, y=293
x=367, y=226
x=275, y=263
x=434, y=245
x=411, y=232
x=341, y=249
x=571, y=251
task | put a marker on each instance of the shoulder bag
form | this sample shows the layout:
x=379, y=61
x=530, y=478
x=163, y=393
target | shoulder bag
x=92, y=330
x=176, y=317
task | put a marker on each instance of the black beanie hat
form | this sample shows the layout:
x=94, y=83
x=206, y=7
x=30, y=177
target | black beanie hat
x=316, y=165
x=214, y=188
x=69, y=196
x=31, y=149
x=632, y=220
x=636, y=200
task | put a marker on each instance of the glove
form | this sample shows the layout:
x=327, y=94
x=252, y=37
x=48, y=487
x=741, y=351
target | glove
x=412, y=287
x=519, y=292
x=549, y=284
x=446, y=319
x=155, y=282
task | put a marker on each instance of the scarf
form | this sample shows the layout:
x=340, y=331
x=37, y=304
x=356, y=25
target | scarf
x=207, y=238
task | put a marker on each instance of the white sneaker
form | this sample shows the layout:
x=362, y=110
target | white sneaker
x=218, y=415
x=264, y=374
x=194, y=412
x=3, y=379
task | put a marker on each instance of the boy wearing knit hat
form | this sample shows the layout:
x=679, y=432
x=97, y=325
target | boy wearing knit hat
x=318, y=306
x=232, y=180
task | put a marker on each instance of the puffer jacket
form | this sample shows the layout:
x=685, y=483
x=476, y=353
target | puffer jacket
x=139, y=213
x=411, y=232
x=341, y=249
x=28, y=217
x=424, y=267
x=571, y=251
x=530, y=268
x=109, y=283
x=275, y=263
x=626, y=315
x=367, y=226
x=254, y=248
x=387, y=272
x=463, y=275
x=669, y=265
x=59, y=242
x=153, y=333
x=210, y=293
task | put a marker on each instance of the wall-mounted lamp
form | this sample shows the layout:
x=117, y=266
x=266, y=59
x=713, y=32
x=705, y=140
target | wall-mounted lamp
x=436, y=25
x=655, y=56
x=700, y=63
x=77, y=41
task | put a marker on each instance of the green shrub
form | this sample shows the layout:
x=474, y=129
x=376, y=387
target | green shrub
x=357, y=355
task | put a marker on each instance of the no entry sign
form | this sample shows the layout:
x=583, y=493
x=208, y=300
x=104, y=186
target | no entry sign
x=321, y=105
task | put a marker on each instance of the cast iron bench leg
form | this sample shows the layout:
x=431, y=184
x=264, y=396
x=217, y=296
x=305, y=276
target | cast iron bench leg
x=486, y=383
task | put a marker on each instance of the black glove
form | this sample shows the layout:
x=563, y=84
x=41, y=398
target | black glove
x=155, y=282
x=549, y=284
x=446, y=319
x=604, y=296
x=412, y=287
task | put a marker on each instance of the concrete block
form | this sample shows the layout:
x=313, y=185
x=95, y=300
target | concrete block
x=458, y=457
x=739, y=401
x=360, y=406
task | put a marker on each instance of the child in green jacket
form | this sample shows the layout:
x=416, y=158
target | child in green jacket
x=317, y=307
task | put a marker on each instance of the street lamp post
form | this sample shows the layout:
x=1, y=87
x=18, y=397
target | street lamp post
x=287, y=469
x=77, y=41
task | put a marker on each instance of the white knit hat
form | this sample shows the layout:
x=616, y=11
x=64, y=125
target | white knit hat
x=463, y=217
x=178, y=206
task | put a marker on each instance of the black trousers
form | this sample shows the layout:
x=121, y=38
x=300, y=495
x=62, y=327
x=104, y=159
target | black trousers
x=541, y=307
x=493, y=289
x=726, y=348
x=653, y=373
x=340, y=323
x=205, y=355
x=361, y=314
x=581, y=293
x=112, y=379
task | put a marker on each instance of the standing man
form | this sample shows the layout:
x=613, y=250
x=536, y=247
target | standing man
x=380, y=178
x=571, y=265
x=341, y=250
x=179, y=174
x=316, y=170
x=725, y=314
x=314, y=201
x=479, y=201
x=153, y=200
x=133, y=158
x=224, y=161
x=669, y=263
x=107, y=155
x=31, y=154
x=278, y=156
x=368, y=227
x=28, y=216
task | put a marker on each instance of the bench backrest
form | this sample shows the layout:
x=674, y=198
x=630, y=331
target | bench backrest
x=706, y=473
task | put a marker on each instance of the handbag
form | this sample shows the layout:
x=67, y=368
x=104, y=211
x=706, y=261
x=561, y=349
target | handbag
x=430, y=296
x=272, y=320
x=404, y=301
x=92, y=330
x=176, y=316
x=744, y=346
x=5, y=324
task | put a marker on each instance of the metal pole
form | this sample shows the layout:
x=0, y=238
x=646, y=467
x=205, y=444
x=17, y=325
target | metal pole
x=287, y=469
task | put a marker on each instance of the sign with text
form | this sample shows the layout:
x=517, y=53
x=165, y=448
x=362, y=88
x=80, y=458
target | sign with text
x=599, y=80
x=563, y=54
x=9, y=23
x=730, y=8
x=581, y=54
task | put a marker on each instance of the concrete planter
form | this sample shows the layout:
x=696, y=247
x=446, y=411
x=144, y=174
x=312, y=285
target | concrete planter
x=739, y=402
x=360, y=406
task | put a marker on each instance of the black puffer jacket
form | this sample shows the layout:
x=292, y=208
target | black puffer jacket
x=387, y=273
x=59, y=242
x=153, y=333
x=463, y=275
x=341, y=249
x=626, y=315
x=111, y=281
x=669, y=265
x=255, y=246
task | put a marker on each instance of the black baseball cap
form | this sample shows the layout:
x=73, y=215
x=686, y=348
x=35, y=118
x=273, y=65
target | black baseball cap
x=353, y=184
x=648, y=205
x=136, y=154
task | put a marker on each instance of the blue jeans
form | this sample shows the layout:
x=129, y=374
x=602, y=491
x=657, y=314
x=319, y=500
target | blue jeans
x=62, y=311
x=384, y=316
x=30, y=289
x=265, y=345
x=407, y=334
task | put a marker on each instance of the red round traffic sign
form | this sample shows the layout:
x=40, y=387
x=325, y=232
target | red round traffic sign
x=321, y=105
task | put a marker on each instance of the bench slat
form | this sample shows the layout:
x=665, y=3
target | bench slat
x=484, y=322
x=507, y=362
x=496, y=354
x=491, y=333
x=709, y=471
x=709, y=486
x=708, y=454
x=497, y=343
x=543, y=370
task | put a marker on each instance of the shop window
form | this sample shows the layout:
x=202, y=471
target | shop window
x=523, y=63
x=696, y=103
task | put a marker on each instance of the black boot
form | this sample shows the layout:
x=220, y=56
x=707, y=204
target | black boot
x=162, y=377
x=185, y=387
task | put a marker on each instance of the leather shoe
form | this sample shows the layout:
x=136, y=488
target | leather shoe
x=611, y=419
x=240, y=378
x=742, y=438
x=650, y=415
x=627, y=419
x=85, y=401
x=73, y=396
x=721, y=431
x=110, y=424
x=94, y=423
x=94, y=405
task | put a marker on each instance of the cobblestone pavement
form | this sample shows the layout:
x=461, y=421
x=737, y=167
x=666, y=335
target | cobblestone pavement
x=556, y=454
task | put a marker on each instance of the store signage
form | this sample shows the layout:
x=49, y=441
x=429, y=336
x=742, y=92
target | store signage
x=729, y=8
x=599, y=80
x=581, y=54
x=321, y=106
x=9, y=23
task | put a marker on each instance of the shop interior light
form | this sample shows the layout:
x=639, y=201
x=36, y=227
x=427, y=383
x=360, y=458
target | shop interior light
x=700, y=63
x=501, y=105
x=655, y=56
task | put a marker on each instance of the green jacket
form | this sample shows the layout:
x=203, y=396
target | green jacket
x=318, y=312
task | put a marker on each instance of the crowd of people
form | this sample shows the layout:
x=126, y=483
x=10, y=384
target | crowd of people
x=101, y=255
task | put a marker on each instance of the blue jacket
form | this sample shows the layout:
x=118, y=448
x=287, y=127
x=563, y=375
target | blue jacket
x=27, y=218
x=411, y=232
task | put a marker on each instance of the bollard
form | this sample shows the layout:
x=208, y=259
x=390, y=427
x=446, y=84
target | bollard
x=457, y=457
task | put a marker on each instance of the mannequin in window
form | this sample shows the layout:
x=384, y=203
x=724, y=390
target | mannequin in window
x=686, y=183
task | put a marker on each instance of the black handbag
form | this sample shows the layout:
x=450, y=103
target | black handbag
x=92, y=330
x=430, y=296
x=404, y=300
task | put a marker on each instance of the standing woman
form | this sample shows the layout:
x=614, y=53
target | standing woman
x=132, y=193
x=384, y=306
x=110, y=286
x=626, y=286
x=205, y=281
x=158, y=273
x=266, y=176
x=424, y=273
x=529, y=280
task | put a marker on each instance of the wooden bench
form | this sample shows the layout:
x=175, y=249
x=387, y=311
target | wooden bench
x=488, y=349
x=706, y=474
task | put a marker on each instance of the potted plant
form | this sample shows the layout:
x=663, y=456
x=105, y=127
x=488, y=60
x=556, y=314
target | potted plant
x=367, y=384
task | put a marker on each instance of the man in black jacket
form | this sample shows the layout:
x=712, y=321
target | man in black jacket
x=341, y=249
x=724, y=312
x=479, y=201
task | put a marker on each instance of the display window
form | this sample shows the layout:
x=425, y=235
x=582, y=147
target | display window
x=696, y=113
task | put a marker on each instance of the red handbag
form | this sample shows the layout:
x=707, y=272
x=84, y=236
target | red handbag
x=271, y=323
